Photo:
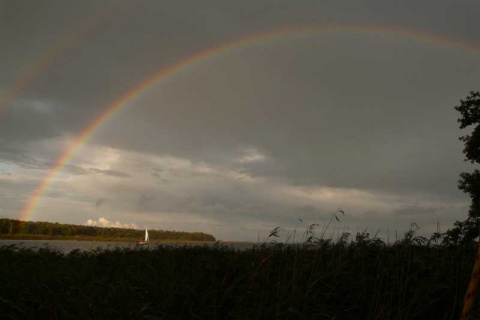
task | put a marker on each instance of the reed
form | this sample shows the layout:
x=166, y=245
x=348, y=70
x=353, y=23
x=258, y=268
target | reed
x=358, y=277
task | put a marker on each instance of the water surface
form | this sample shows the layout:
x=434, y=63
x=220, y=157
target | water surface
x=66, y=246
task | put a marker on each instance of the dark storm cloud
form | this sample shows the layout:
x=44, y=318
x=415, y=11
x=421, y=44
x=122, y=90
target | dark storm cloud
x=27, y=121
x=353, y=111
x=133, y=40
x=333, y=120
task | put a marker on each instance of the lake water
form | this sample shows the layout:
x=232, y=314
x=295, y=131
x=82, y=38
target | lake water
x=66, y=246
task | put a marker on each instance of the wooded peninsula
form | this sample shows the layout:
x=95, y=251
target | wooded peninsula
x=30, y=230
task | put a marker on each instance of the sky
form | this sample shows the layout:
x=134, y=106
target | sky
x=236, y=117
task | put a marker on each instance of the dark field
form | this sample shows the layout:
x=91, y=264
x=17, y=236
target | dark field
x=361, y=279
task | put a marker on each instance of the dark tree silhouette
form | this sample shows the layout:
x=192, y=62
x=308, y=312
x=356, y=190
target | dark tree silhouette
x=17, y=227
x=470, y=116
x=466, y=231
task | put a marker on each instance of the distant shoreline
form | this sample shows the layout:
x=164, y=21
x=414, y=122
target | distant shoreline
x=92, y=239
x=41, y=230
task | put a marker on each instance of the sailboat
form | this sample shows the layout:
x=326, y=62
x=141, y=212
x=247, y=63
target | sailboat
x=146, y=238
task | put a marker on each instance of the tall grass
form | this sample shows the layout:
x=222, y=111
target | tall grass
x=359, y=278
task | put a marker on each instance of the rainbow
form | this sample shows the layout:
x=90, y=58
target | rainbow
x=251, y=39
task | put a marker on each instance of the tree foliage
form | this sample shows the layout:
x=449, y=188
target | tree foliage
x=470, y=116
x=466, y=231
x=18, y=227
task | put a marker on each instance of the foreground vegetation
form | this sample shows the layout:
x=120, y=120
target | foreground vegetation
x=414, y=278
x=30, y=230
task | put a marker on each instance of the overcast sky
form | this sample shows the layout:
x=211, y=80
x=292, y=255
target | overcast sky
x=282, y=132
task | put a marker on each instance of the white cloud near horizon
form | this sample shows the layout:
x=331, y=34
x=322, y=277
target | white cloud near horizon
x=105, y=223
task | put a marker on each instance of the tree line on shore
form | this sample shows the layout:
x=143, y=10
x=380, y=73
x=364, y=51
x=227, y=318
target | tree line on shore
x=17, y=227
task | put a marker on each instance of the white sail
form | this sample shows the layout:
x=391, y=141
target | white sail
x=146, y=238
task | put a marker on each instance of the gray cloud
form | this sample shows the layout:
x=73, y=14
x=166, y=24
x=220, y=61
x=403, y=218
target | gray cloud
x=147, y=203
x=329, y=127
x=99, y=203
x=256, y=136
x=17, y=155
x=111, y=173
x=416, y=209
